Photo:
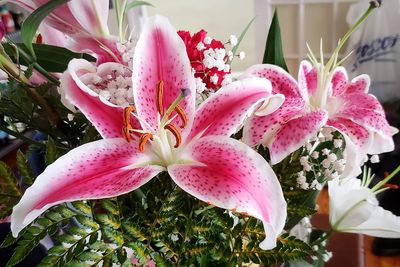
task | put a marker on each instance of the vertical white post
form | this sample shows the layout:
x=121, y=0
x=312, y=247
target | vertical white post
x=301, y=32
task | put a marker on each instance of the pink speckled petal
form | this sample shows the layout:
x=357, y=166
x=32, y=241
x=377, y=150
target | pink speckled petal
x=106, y=117
x=52, y=36
x=62, y=18
x=294, y=133
x=224, y=112
x=308, y=79
x=358, y=101
x=103, y=48
x=359, y=84
x=282, y=82
x=160, y=55
x=91, y=15
x=230, y=175
x=101, y=169
x=360, y=136
x=338, y=81
x=260, y=129
x=374, y=122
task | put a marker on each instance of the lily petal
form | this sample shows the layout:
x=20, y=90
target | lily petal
x=106, y=117
x=360, y=136
x=224, y=112
x=160, y=55
x=354, y=208
x=383, y=223
x=231, y=175
x=308, y=79
x=294, y=133
x=101, y=169
x=260, y=129
x=91, y=15
x=339, y=81
x=282, y=82
x=52, y=36
x=359, y=84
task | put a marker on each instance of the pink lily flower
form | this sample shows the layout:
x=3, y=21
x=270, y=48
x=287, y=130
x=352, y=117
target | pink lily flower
x=163, y=132
x=80, y=25
x=320, y=99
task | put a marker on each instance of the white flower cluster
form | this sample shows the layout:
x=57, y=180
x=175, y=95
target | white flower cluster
x=215, y=58
x=112, y=82
x=331, y=166
x=126, y=49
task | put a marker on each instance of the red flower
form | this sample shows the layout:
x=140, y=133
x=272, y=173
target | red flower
x=196, y=56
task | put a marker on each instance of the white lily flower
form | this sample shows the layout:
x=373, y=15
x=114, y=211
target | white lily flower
x=353, y=207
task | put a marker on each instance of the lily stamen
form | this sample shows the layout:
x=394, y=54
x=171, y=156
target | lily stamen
x=391, y=186
x=143, y=140
x=160, y=94
x=127, y=128
x=178, y=137
x=182, y=115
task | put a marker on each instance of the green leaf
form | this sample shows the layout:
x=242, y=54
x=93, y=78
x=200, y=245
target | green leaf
x=273, y=49
x=82, y=207
x=24, y=168
x=51, y=152
x=115, y=236
x=89, y=256
x=31, y=23
x=8, y=241
x=9, y=181
x=135, y=231
x=87, y=222
x=140, y=250
x=234, y=50
x=136, y=4
x=108, y=220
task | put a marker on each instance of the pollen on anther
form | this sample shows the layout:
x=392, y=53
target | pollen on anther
x=182, y=115
x=143, y=140
x=170, y=127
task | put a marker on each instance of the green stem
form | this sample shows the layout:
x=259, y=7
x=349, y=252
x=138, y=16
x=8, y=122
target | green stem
x=387, y=179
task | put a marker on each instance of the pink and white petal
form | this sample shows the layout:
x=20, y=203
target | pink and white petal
x=360, y=136
x=359, y=84
x=51, y=36
x=308, y=79
x=106, y=117
x=375, y=122
x=357, y=100
x=101, y=169
x=231, y=175
x=224, y=112
x=294, y=133
x=282, y=82
x=91, y=15
x=260, y=129
x=339, y=81
x=103, y=48
x=160, y=55
x=62, y=19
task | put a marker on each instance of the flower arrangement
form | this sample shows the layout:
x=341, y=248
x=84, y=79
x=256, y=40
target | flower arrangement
x=156, y=155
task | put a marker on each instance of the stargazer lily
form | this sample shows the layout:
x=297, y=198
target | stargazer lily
x=319, y=100
x=80, y=25
x=322, y=97
x=163, y=131
x=353, y=207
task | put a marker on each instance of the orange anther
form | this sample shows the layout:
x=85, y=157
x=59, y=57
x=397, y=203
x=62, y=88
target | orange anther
x=170, y=127
x=391, y=186
x=182, y=115
x=143, y=140
x=160, y=94
x=127, y=128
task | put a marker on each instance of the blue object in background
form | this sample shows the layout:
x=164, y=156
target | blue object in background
x=36, y=157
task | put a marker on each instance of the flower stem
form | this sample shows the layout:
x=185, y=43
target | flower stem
x=387, y=179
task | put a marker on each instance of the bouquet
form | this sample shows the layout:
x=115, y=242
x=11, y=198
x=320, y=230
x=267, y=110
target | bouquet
x=156, y=155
